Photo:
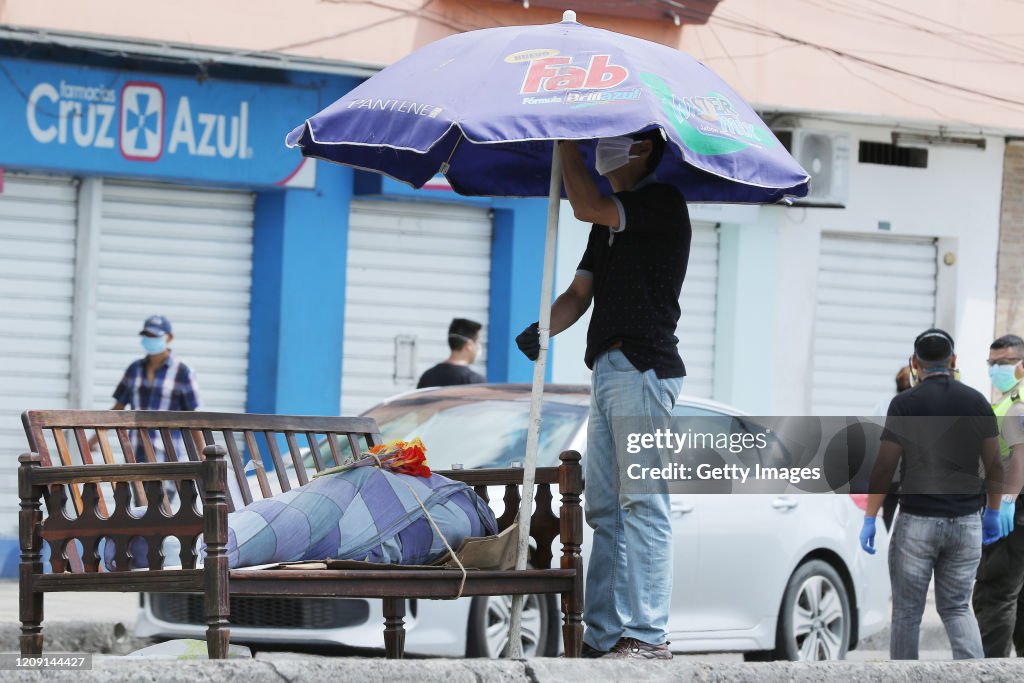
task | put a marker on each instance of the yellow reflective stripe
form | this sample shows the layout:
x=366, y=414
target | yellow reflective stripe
x=1000, y=409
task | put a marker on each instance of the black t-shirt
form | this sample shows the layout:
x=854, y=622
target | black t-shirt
x=940, y=472
x=448, y=374
x=638, y=273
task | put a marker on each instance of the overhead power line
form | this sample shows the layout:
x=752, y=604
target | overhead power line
x=754, y=29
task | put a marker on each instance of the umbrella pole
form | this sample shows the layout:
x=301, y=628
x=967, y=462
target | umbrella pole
x=515, y=645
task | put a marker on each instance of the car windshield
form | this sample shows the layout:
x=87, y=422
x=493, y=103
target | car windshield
x=479, y=433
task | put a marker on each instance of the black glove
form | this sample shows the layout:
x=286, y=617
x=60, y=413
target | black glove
x=529, y=341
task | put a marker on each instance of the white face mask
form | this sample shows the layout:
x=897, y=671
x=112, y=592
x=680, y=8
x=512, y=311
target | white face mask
x=613, y=153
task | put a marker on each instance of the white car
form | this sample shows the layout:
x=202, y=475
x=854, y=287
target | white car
x=772, y=576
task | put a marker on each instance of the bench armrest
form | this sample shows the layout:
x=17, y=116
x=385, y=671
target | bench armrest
x=206, y=479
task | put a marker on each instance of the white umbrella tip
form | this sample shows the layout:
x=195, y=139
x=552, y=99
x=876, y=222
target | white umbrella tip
x=569, y=16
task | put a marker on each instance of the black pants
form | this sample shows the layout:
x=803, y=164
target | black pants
x=998, y=599
x=1018, y=632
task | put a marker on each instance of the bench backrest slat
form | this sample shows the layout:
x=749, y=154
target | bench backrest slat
x=129, y=456
x=311, y=439
x=353, y=443
x=332, y=443
x=256, y=460
x=236, y=466
x=168, y=442
x=293, y=451
x=275, y=455
x=147, y=448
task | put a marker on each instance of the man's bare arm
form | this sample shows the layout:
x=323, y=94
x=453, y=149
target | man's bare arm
x=994, y=474
x=889, y=454
x=1014, y=471
x=571, y=304
x=588, y=204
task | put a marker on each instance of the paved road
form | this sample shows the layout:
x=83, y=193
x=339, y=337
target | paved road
x=112, y=608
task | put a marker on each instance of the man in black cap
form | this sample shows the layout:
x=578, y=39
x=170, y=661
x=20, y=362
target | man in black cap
x=939, y=432
x=159, y=381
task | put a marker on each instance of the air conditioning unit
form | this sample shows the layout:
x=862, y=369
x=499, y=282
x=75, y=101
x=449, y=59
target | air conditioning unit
x=825, y=155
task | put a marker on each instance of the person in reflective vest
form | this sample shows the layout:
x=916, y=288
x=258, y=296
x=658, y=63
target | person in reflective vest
x=998, y=600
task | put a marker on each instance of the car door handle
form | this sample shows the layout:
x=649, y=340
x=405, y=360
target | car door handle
x=680, y=509
x=785, y=503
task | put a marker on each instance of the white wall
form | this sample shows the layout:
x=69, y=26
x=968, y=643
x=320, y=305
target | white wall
x=567, y=351
x=955, y=199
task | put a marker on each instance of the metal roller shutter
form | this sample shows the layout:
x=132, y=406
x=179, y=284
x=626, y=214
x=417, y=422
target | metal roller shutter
x=696, y=330
x=37, y=272
x=875, y=295
x=185, y=253
x=411, y=269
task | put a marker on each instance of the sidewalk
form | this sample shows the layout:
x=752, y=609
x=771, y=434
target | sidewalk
x=110, y=609
x=105, y=607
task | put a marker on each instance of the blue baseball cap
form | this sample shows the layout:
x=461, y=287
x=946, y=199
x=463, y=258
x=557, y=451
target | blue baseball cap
x=156, y=325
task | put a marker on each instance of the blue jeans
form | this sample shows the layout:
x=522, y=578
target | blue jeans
x=629, y=578
x=951, y=547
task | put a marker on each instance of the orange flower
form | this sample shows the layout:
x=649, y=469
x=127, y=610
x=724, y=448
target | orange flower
x=404, y=457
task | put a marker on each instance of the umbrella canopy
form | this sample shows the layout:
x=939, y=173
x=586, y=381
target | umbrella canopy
x=483, y=107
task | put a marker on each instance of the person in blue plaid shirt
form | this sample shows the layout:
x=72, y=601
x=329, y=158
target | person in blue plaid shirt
x=160, y=381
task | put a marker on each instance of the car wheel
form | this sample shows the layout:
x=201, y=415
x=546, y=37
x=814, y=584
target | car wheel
x=489, y=616
x=814, y=622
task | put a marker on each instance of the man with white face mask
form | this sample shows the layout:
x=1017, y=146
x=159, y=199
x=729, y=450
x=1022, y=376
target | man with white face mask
x=632, y=270
x=998, y=590
x=160, y=381
x=464, y=342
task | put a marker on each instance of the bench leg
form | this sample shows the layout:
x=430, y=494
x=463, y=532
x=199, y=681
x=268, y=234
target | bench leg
x=215, y=532
x=31, y=608
x=30, y=520
x=217, y=637
x=394, y=628
x=572, y=623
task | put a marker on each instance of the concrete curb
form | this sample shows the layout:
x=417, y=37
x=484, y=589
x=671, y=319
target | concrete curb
x=316, y=670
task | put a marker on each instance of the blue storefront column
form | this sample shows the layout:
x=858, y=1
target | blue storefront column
x=516, y=269
x=298, y=296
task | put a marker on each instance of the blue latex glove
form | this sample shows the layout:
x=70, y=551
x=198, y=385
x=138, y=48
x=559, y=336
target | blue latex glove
x=867, y=535
x=991, y=529
x=1006, y=513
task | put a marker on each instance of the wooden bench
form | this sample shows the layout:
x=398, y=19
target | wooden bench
x=86, y=501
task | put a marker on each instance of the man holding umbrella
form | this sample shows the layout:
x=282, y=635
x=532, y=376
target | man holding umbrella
x=633, y=270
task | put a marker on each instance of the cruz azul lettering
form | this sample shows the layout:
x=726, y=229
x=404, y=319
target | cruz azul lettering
x=205, y=134
x=134, y=120
x=555, y=74
x=84, y=115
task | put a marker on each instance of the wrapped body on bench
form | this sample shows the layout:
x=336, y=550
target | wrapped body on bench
x=364, y=514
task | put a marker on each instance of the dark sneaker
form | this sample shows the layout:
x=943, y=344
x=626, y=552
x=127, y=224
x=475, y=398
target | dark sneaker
x=631, y=648
x=591, y=653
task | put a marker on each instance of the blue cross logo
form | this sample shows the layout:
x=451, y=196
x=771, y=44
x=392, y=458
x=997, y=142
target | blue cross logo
x=143, y=121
